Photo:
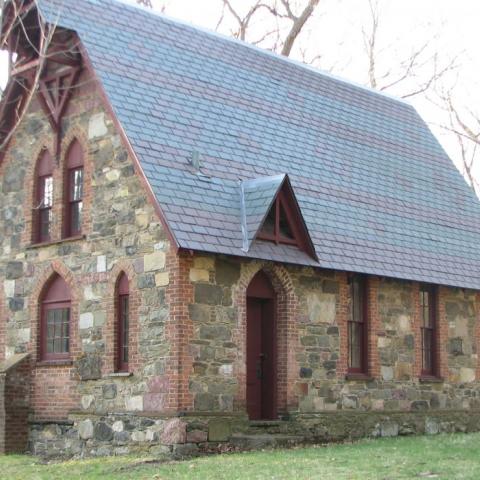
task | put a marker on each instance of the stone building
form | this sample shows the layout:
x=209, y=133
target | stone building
x=203, y=244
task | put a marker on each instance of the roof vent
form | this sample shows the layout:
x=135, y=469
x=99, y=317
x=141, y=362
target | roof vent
x=195, y=160
x=196, y=164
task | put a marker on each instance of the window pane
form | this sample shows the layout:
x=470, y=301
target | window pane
x=355, y=337
x=76, y=184
x=357, y=300
x=284, y=226
x=427, y=349
x=269, y=224
x=46, y=192
x=123, y=307
x=57, y=334
x=76, y=217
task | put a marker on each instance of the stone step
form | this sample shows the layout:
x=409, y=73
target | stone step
x=259, y=441
x=269, y=427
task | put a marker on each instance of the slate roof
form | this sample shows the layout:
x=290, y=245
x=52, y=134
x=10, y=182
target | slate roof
x=378, y=193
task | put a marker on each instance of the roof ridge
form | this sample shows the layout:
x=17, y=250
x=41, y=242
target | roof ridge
x=264, y=51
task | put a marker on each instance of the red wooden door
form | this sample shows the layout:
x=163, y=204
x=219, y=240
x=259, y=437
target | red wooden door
x=261, y=354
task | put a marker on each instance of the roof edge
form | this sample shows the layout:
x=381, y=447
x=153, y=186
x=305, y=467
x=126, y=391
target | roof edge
x=264, y=51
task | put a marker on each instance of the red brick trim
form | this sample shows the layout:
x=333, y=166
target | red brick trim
x=110, y=330
x=176, y=395
x=3, y=321
x=76, y=133
x=287, y=335
x=374, y=327
x=442, y=334
x=416, y=327
x=342, y=309
x=53, y=390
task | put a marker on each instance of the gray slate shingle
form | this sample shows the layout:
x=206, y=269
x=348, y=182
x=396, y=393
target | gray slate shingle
x=378, y=193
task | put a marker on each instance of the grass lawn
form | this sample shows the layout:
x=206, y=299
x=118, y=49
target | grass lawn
x=441, y=457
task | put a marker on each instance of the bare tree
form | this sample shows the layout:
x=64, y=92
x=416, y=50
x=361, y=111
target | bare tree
x=412, y=75
x=464, y=124
x=23, y=88
x=145, y=3
x=280, y=11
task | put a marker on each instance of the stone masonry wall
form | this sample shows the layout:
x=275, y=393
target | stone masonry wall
x=317, y=342
x=121, y=232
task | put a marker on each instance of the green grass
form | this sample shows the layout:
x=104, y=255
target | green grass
x=441, y=457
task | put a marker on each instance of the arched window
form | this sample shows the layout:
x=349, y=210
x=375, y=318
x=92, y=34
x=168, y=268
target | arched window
x=74, y=190
x=55, y=321
x=44, y=198
x=122, y=323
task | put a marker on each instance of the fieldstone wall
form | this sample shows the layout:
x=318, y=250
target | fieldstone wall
x=121, y=232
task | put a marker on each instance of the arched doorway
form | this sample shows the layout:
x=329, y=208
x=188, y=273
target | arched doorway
x=261, y=349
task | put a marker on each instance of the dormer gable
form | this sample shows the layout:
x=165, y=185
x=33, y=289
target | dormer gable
x=271, y=213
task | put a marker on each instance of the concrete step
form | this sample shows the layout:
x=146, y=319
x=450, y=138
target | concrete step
x=259, y=441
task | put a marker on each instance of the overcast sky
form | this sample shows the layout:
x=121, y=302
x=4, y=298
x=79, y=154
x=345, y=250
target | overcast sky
x=335, y=33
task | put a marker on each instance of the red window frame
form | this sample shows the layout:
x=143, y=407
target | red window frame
x=56, y=301
x=43, y=217
x=44, y=212
x=279, y=204
x=428, y=328
x=73, y=202
x=357, y=326
x=123, y=324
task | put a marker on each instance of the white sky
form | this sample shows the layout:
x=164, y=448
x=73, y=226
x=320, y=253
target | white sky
x=335, y=32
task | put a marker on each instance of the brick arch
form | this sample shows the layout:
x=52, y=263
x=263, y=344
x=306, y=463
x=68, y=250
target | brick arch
x=46, y=143
x=54, y=381
x=287, y=333
x=72, y=134
x=110, y=330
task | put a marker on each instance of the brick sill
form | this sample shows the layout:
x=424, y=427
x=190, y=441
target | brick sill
x=54, y=363
x=56, y=242
x=358, y=376
x=425, y=379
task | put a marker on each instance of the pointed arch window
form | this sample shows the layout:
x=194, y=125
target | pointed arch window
x=55, y=321
x=74, y=190
x=123, y=323
x=44, y=198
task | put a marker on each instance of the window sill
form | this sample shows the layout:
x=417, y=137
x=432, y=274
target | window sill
x=430, y=379
x=56, y=242
x=358, y=376
x=118, y=375
x=54, y=363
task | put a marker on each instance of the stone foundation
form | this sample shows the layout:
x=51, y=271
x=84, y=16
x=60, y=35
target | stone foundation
x=177, y=437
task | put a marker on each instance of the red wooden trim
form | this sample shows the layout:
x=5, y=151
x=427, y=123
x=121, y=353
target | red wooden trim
x=286, y=200
x=434, y=332
x=127, y=144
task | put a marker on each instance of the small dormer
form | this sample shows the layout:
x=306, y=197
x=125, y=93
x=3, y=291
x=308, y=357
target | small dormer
x=271, y=213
